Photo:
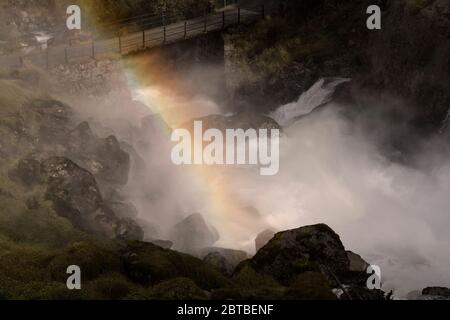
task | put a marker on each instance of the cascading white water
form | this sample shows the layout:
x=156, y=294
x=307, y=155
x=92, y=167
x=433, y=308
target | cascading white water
x=319, y=94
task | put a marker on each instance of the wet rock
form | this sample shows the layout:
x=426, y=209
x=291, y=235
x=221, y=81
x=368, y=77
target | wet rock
x=404, y=60
x=263, y=238
x=72, y=189
x=310, y=248
x=165, y=244
x=192, y=234
x=245, y=121
x=353, y=286
x=437, y=292
x=356, y=262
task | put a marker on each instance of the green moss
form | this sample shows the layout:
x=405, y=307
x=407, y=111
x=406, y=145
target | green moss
x=177, y=289
x=304, y=265
x=150, y=264
x=94, y=260
x=310, y=286
x=24, y=263
x=13, y=97
x=246, y=277
x=112, y=286
x=26, y=217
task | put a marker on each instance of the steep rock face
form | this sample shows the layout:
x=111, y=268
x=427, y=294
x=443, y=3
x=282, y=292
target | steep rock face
x=356, y=262
x=409, y=58
x=310, y=40
x=310, y=248
x=48, y=127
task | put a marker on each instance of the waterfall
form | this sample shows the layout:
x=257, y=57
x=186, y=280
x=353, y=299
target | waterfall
x=319, y=94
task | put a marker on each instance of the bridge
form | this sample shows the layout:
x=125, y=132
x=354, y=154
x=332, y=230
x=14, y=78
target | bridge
x=155, y=32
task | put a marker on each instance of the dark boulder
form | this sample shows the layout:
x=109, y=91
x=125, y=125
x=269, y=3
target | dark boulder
x=437, y=292
x=356, y=262
x=165, y=244
x=244, y=120
x=312, y=248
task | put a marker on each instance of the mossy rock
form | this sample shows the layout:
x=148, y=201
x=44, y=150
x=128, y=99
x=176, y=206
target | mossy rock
x=245, y=276
x=24, y=263
x=93, y=260
x=113, y=286
x=148, y=264
x=177, y=289
x=310, y=286
x=293, y=252
x=49, y=291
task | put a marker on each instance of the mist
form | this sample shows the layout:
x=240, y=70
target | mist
x=333, y=170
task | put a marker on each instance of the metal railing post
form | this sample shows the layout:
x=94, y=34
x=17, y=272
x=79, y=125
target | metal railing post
x=185, y=30
x=223, y=19
x=206, y=23
x=165, y=35
x=239, y=15
x=263, y=11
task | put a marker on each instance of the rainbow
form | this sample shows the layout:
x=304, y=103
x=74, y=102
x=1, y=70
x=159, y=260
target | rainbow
x=160, y=88
x=166, y=94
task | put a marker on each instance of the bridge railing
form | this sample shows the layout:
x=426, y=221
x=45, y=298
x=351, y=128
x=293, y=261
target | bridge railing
x=148, y=37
